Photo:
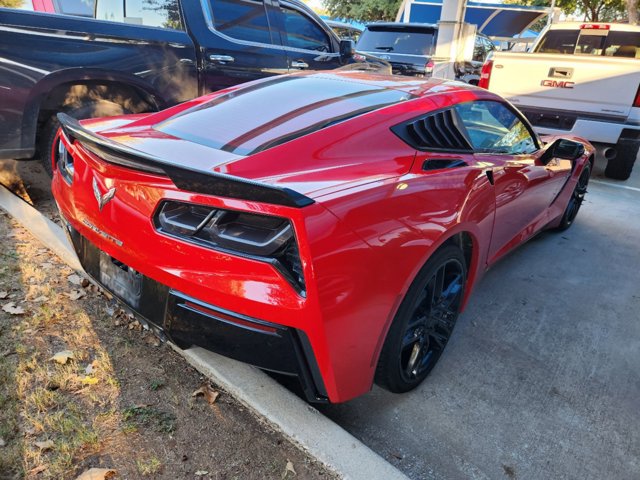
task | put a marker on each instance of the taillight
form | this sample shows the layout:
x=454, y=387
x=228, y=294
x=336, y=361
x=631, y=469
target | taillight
x=428, y=68
x=64, y=161
x=636, y=101
x=485, y=74
x=261, y=237
x=594, y=26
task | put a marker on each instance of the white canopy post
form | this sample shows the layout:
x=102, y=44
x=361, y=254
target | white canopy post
x=453, y=38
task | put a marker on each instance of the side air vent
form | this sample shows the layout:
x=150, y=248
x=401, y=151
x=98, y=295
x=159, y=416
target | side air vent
x=439, y=131
x=442, y=163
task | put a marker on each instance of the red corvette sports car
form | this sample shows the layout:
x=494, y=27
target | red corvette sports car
x=329, y=226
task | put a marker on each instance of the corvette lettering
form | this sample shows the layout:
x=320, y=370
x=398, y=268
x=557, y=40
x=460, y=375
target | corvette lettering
x=557, y=84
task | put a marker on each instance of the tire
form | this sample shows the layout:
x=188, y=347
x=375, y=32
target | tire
x=102, y=108
x=577, y=197
x=619, y=168
x=424, y=322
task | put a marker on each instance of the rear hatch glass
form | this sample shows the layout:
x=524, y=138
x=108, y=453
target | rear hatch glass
x=591, y=42
x=261, y=116
x=403, y=40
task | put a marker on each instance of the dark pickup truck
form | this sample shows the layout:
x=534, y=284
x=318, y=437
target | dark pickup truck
x=144, y=55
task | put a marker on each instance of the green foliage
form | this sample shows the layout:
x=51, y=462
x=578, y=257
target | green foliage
x=11, y=3
x=363, y=10
x=591, y=10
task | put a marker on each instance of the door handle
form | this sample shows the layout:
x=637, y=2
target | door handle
x=221, y=58
x=299, y=64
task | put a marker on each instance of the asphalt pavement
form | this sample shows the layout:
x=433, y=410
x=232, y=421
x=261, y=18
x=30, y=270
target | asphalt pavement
x=541, y=378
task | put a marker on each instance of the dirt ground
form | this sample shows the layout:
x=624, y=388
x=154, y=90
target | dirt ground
x=83, y=385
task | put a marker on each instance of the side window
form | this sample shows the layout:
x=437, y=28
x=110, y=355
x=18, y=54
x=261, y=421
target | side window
x=150, y=13
x=111, y=10
x=241, y=19
x=494, y=128
x=82, y=8
x=153, y=13
x=478, y=50
x=304, y=33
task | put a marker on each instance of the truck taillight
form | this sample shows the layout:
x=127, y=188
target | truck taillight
x=636, y=101
x=428, y=68
x=594, y=26
x=485, y=74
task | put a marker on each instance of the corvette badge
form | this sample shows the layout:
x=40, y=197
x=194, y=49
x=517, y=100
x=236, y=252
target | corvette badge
x=102, y=199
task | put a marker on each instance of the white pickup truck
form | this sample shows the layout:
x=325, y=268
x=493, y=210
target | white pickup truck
x=581, y=79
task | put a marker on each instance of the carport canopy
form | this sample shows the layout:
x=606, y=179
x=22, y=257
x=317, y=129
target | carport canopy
x=492, y=19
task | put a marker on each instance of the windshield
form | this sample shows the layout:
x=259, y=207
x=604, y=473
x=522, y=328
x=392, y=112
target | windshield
x=411, y=41
x=591, y=42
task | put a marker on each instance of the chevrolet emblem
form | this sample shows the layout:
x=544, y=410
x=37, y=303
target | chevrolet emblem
x=102, y=199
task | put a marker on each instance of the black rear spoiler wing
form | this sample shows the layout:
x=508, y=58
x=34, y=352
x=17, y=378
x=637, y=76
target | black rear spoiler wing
x=192, y=180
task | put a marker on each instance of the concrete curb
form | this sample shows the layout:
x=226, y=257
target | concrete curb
x=49, y=234
x=300, y=422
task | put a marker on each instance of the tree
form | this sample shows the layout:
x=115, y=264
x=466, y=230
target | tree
x=363, y=10
x=11, y=3
x=632, y=11
x=592, y=10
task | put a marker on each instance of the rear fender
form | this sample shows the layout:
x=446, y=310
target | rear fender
x=79, y=76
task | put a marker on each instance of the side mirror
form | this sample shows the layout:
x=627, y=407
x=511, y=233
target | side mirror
x=347, y=48
x=562, y=148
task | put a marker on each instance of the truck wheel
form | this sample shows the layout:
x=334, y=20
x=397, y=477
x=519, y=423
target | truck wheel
x=102, y=108
x=619, y=168
x=424, y=322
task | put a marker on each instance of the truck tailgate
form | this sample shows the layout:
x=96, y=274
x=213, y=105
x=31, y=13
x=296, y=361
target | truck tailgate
x=603, y=86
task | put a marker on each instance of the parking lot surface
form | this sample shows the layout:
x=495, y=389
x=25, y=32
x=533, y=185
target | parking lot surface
x=540, y=378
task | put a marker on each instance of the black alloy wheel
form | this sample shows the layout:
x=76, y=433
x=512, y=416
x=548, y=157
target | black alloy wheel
x=424, y=322
x=577, y=197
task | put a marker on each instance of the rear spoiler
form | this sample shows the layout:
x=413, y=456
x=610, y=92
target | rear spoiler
x=192, y=180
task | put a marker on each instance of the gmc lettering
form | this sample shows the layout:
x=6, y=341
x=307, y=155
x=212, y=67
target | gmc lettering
x=557, y=84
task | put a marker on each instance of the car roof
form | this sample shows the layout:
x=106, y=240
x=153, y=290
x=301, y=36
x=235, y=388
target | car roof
x=426, y=26
x=337, y=24
x=301, y=103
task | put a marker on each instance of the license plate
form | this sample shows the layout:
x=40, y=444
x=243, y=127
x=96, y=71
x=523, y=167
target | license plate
x=121, y=279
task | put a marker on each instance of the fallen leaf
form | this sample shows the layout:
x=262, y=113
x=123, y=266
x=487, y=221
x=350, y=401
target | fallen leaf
x=208, y=393
x=2, y=442
x=13, y=309
x=74, y=279
x=201, y=473
x=42, y=298
x=289, y=468
x=46, y=265
x=152, y=340
x=63, y=356
x=76, y=294
x=3, y=295
x=89, y=369
x=89, y=380
x=97, y=474
x=47, y=445
x=38, y=469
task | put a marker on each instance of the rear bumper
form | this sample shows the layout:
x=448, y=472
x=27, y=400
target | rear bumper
x=187, y=322
x=599, y=130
